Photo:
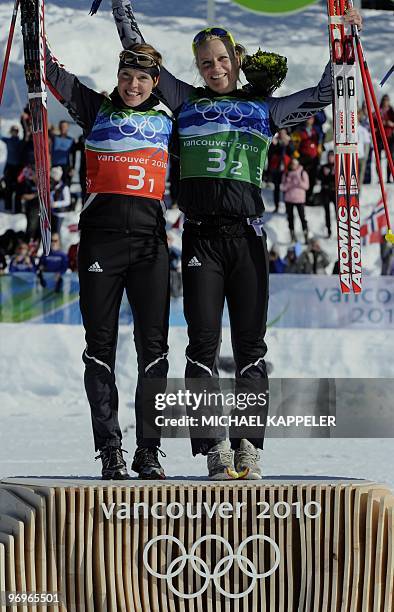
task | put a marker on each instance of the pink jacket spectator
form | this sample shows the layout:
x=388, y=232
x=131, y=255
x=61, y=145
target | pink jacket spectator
x=295, y=184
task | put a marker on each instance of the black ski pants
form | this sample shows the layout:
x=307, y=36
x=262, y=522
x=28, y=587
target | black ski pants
x=290, y=206
x=326, y=197
x=108, y=264
x=226, y=262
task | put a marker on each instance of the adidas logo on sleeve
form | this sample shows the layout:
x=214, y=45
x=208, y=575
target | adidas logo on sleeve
x=194, y=263
x=95, y=267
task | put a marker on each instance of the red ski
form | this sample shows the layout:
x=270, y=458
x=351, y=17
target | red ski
x=346, y=148
x=33, y=31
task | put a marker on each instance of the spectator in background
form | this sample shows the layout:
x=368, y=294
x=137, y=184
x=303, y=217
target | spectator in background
x=10, y=240
x=73, y=257
x=60, y=198
x=320, y=119
x=63, y=152
x=327, y=193
x=386, y=256
x=176, y=287
x=51, y=132
x=29, y=199
x=25, y=120
x=22, y=261
x=279, y=157
x=175, y=254
x=55, y=262
x=276, y=264
x=291, y=261
x=13, y=166
x=387, y=115
x=310, y=151
x=363, y=116
x=313, y=260
x=364, y=145
x=28, y=148
x=174, y=176
x=80, y=146
x=3, y=262
x=295, y=184
x=295, y=141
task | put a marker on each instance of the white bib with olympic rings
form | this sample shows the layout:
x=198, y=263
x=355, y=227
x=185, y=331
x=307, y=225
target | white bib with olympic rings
x=224, y=137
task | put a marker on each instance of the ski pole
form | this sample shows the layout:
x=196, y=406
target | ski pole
x=364, y=66
x=368, y=89
x=387, y=76
x=389, y=235
x=8, y=49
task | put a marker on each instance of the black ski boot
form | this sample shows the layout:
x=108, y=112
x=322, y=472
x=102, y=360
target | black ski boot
x=146, y=464
x=114, y=466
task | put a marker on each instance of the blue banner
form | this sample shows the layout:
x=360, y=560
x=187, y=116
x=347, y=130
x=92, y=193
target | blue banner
x=296, y=301
x=313, y=302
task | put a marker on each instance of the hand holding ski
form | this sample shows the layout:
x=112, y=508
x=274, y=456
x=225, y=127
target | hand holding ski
x=352, y=17
x=344, y=60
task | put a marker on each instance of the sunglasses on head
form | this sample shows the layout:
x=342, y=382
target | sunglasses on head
x=204, y=34
x=134, y=58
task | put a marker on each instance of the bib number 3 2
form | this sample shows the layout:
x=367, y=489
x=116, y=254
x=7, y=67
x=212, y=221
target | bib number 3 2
x=218, y=163
x=219, y=158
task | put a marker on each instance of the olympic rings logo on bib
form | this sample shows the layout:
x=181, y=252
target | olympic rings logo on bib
x=201, y=568
x=213, y=110
x=137, y=123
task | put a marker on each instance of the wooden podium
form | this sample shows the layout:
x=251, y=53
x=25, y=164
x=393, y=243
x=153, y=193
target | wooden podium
x=282, y=545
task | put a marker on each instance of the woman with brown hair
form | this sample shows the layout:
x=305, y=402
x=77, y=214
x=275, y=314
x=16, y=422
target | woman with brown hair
x=123, y=246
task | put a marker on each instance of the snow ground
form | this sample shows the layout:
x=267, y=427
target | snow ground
x=45, y=422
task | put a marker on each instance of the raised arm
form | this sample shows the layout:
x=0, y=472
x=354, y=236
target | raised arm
x=81, y=102
x=294, y=109
x=172, y=89
x=126, y=24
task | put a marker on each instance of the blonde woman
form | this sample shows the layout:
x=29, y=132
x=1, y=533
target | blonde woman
x=224, y=135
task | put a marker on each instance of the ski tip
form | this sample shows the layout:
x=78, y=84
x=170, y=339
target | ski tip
x=390, y=236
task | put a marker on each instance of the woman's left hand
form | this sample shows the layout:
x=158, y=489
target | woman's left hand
x=353, y=17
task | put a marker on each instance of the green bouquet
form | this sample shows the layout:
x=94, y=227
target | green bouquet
x=265, y=71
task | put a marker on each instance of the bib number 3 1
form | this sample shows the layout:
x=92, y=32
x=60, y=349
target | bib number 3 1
x=138, y=178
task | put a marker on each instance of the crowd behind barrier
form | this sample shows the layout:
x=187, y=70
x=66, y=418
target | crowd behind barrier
x=300, y=172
